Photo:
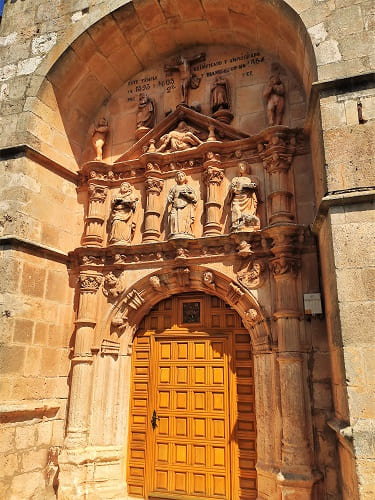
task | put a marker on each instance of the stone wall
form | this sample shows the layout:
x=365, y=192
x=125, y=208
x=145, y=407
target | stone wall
x=39, y=203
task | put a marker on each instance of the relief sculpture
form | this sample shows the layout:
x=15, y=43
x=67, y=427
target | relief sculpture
x=182, y=199
x=180, y=139
x=122, y=215
x=244, y=202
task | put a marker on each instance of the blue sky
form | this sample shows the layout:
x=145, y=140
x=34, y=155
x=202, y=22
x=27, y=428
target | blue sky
x=1, y=6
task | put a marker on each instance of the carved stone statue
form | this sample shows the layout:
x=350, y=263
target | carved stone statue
x=244, y=202
x=98, y=138
x=188, y=79
x=220, y=97
x=182, y=199
x=121, y=220
x=274, y=93
x=145, y=115
x=178, y=140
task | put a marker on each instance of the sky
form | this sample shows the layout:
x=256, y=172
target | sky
x=1, y=6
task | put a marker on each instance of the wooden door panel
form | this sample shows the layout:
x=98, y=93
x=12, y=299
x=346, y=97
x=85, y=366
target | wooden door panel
x=201, y=386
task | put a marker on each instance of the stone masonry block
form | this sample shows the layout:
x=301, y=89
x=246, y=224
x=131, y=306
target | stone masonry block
x=7, y=439
x=12, y=359
x=8, y=465
x=25, y=437
x=33, y=280
x=23, y=331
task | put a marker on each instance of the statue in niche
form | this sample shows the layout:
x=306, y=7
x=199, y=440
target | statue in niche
x=274, y=93
x=145, y=115
x=244, y=202
x=188, y=79
x=182, y=199
x=98, y=138
x=121, y=219
x=180, y=139
x=220, y=100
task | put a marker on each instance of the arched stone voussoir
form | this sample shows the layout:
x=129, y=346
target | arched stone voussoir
x=135, y=302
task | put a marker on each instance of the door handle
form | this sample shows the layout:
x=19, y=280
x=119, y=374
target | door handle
x=154, y=418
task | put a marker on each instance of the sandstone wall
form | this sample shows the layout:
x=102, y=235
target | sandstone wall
x=39, y=202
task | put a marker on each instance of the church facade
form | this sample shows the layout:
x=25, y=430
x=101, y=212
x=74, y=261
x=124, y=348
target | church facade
x=187, y=225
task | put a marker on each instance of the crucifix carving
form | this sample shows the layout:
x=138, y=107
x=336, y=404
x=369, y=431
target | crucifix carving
x=188, y=78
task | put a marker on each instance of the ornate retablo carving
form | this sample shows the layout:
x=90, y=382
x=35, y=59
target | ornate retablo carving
x=188, y=79
x=182, y=199
x=244, y=202
x=274, y=94
x=98, y=138
x=121, y=219
x=213, y=175
x=180, y=139
x=154, y=184
x=234, y=293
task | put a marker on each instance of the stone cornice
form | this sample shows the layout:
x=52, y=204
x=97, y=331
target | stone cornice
x=16, y=411
x=341, y=198
x=13, y=242
x=26, y=151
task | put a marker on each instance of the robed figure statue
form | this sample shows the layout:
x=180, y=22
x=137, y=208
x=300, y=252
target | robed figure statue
x=182, y=200
x=244, y=202
x=122, y=215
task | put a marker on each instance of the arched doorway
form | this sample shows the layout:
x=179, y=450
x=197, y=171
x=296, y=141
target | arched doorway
x=192, y=427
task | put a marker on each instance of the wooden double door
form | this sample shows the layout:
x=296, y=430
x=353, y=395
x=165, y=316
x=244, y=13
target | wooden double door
x=192, y=423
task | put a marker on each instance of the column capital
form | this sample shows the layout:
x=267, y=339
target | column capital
x=90, y=282
x=97, y=192
x=154, y=185
x=285, y=265
x=213, y=175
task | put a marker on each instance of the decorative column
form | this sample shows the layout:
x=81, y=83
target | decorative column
x=82, y=360
x=277, y=156
x=213, y=178
x=95, y=216
x=295, y=478
x=154, y=186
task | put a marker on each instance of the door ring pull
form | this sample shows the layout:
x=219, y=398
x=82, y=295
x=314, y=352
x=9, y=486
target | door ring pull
x=154, y=418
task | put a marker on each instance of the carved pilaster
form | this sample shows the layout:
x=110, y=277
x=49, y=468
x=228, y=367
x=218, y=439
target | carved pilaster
x=82, y=360
x=213, y=177
x=277, y=156
x=95, y=216
x=153, y=186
